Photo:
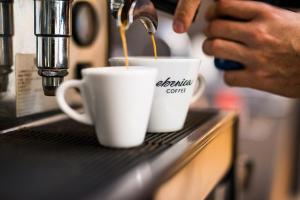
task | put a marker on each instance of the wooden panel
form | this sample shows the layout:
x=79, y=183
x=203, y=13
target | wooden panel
x=97, y=53
x=197, y=179
x=282, y=175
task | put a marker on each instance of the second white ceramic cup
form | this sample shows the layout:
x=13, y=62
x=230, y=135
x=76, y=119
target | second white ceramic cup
x=178, y=84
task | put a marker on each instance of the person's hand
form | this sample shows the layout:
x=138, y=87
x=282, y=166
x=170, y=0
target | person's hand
x=265, y=39
x=184, y=15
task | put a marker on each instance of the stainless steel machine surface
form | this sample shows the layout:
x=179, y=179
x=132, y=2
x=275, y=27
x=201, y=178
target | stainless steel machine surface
x=53, y=31
x=128, y=11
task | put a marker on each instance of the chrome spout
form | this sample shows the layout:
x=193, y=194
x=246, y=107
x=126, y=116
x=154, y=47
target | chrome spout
x=127, y=11
x=6, y=44
x=53, y=32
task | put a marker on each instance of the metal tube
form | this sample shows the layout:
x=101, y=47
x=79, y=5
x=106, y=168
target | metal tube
x=53, y=31
x=6, y=47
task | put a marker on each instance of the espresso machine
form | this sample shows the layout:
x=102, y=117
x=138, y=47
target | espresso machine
x=43, y=42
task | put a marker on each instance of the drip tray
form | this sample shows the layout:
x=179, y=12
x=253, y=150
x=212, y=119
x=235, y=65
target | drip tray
x=64, y=160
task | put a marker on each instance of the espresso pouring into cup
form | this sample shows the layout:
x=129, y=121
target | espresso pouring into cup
x=118, y=100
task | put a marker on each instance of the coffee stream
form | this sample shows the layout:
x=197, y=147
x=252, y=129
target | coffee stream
x=122, y=30
x=154, y=45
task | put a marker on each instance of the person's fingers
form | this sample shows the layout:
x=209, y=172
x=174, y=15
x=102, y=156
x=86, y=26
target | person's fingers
x=242, y=78
x=241, y=10
x=225, y=49
x=211, y=12
x=230, y=30
x=185, y=12
x=250, y=79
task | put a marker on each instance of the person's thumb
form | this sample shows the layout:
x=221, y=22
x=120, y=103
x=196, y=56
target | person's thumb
x=185, y=12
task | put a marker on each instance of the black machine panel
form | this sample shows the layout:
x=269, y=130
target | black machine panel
x=64, y=160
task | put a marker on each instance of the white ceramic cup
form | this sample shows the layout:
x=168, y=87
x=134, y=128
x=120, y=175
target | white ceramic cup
x=178, y=85
x=116, y=100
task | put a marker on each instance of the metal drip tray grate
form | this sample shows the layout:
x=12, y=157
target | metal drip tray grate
x=64, y=160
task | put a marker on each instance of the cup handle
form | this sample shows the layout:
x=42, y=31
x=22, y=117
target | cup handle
x=60, y=96
x=200, y=86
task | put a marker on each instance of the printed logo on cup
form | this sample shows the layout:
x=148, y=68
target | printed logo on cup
x=175, y=86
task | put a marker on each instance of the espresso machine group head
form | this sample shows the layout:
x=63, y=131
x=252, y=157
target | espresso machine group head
x=127, y=11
